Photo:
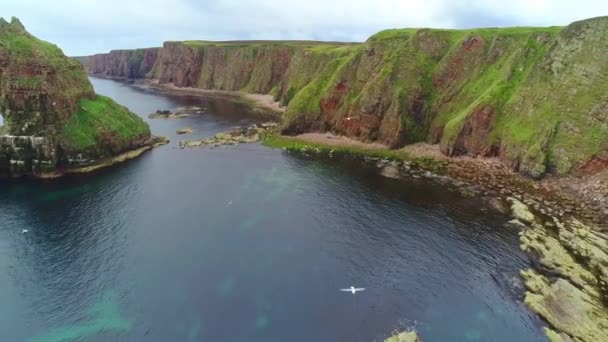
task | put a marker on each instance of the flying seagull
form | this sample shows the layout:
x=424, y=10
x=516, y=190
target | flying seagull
x=353, y=290
x=24, y=231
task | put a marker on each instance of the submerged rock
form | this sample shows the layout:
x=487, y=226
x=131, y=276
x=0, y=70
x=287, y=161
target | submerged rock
x=410, y=336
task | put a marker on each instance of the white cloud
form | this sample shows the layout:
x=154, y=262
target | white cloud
x=89, y=26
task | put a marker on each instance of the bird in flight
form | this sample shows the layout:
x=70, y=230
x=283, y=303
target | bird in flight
x=353, y=290
x=24, y=231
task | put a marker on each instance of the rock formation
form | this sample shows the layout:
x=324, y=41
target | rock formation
x=53, y=120
x=534, y=97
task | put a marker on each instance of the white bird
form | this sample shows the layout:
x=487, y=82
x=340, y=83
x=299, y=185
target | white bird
x=353, y=289
x=24, y=231
x=230, y=203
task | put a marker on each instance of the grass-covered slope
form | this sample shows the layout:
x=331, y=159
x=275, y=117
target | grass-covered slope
x=558, y=118
x=39, y=86
x=100, y=121
x=535, y=97
x=52, y=117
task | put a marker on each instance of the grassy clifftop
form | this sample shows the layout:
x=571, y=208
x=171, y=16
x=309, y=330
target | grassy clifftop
x=101, y=119
x=52, y=116
x=534, y=97
x=38, y=85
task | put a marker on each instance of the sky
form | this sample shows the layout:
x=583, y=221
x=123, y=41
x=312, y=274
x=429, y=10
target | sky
x=83, y=27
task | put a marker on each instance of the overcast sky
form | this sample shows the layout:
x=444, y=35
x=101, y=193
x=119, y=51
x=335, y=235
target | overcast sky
x=82, y=27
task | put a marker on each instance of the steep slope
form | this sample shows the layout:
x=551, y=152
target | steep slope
x=534, y=97
x=53, y=120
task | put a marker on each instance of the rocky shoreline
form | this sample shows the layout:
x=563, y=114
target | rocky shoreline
x=107, y=162
x=566, y=240
x=237, y=136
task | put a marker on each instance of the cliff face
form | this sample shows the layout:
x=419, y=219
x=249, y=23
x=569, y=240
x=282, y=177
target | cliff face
x=534, y=97
x=52, y=118
x=122, y=63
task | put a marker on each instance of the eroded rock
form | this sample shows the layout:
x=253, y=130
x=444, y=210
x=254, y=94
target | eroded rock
x=570, y=310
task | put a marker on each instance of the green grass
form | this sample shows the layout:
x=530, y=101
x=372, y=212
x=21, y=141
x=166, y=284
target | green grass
x=295, y=144
x=29, y=82
x=102, y=119
x=307, y=101
x=14, y=38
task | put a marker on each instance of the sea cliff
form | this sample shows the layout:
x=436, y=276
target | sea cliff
x=54, y=123
x=533, y=97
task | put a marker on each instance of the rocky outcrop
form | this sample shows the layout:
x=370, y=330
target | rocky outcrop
x=533, y=97
x=53, y=120
x=238, y=136
x=570, y=289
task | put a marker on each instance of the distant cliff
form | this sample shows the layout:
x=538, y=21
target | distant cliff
x=53, y=120
x=122, y=63
x=534, y=97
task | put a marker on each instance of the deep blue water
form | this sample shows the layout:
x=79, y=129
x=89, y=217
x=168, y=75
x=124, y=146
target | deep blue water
x=250, y=244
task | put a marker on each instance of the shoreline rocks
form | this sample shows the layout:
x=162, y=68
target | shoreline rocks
x=569, y=289
x=238, y=136
x=167, y=114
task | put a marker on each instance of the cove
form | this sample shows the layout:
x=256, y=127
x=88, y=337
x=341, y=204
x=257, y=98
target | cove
x=248, y=243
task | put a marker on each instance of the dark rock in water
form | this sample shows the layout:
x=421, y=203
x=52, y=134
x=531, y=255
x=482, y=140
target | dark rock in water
x=163, y=112
x=500, y=205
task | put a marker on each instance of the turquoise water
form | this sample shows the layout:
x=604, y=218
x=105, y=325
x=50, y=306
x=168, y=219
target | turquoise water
x=250, y=244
